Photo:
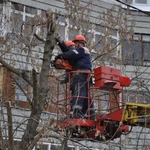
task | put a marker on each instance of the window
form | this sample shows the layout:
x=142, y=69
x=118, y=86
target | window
x=72, y=33
x=56, y=147
x=28, y=26
x=20, y=14
x=141, y=1
x=17, y=22
x=1, y=81
x=140, y=97
x=135, y=51
x=61, y=30
x=1, y=13
x=98, y=42
x=22, y=85
x=135, y=1
x=16, y=142
x=16, y=6
x=104, y=42
x=30, y=10
x=127, y=1
x=41, y=147
x=60, y=19
x=140, y=4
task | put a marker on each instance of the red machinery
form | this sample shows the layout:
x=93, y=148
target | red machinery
x=112, y=116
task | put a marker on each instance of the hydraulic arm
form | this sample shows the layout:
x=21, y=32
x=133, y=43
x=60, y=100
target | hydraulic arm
x=136, y=114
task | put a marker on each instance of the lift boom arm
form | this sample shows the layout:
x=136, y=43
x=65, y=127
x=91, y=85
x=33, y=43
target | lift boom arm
x=137, y=114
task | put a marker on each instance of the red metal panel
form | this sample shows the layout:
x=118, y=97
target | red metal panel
x=107, y=70
x=107, y=76
x=125, y=81
x=116, y=115
x=102, y=84
x=104, y=75
x=76, y=122
x=124, y=128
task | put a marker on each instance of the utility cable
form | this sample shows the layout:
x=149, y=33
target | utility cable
x=147, y=13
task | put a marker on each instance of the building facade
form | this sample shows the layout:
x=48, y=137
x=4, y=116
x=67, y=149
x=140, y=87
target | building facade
x=133, y=53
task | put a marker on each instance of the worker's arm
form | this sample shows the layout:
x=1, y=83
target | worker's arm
x=61, y=43
x=73, y=54
x=63, y=46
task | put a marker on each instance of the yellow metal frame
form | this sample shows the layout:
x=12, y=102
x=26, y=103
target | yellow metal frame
x=136, y=114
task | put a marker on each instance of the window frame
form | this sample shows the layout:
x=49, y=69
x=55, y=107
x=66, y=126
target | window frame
x=2, y=19
x=23, y=12
x=136, y=3
x=139, y=38
x=143, y=7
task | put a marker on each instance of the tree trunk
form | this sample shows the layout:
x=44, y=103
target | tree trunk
x=39, y=99
x=64, y=144
x=10, y=126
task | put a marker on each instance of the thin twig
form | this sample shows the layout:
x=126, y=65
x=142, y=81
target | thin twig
x=39, y=38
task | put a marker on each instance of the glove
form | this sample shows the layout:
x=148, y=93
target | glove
x=58, y=57
x=58, y=38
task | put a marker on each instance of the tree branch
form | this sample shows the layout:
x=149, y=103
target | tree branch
x=39, y=135
x=35, y=87
x=39, y=38
x=16, y=71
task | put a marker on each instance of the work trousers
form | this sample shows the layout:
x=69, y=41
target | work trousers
x=79, y=88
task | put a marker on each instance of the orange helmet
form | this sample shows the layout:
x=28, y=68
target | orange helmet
x=69, y=43
x=79, y=38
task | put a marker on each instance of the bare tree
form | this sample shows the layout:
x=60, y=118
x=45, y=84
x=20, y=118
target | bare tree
x=40, y=86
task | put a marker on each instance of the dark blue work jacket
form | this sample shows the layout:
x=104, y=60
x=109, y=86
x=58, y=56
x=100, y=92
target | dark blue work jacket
x=80, y=57
x=63, y=47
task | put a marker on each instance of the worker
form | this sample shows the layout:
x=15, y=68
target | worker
x=68, y=45
x=82, y=63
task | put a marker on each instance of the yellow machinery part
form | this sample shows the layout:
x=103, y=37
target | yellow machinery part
x=136, y=114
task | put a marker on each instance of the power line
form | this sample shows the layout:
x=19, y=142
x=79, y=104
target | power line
x=147, y=13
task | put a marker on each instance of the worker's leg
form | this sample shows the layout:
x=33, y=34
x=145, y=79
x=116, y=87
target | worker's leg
x=88, y=101
x=85, y=106
x=79, y=92
x=92, y=110
x=90, y=107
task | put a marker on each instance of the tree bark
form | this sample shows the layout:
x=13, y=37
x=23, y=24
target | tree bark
x=10, y=126
x=40, y=92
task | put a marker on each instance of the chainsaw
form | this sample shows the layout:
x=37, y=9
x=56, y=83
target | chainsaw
x=61, y=64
